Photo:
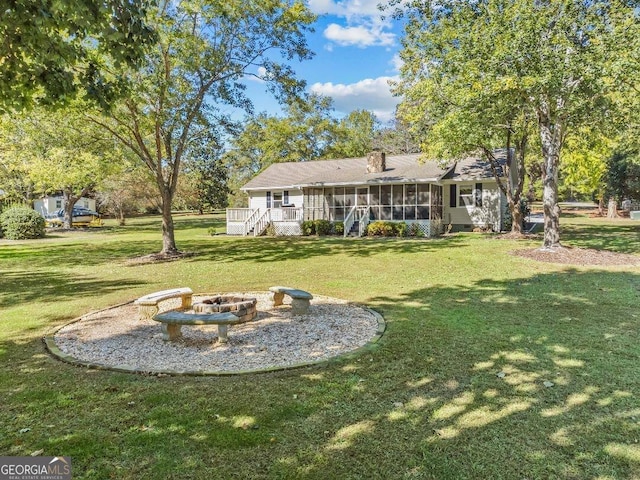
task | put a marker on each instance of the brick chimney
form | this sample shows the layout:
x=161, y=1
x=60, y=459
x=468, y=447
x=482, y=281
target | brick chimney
x=376, y=162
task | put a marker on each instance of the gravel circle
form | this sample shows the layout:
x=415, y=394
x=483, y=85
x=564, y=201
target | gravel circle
x=117, y=338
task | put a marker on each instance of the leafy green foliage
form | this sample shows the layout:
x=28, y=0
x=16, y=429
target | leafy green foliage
x=21, y=223
x=204, y=181
x=623, y=175
x=382, y=228
x=477, y=73
x=316, y=227
x=51, y=50
x=308, y=228
x=306, y=132
x=204, y=53
x=59, y=151
x=322, y=227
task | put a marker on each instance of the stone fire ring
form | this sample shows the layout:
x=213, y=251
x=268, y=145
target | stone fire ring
x=117, y=339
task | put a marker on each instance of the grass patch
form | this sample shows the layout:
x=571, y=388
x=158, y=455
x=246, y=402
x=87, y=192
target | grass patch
x=428, y=403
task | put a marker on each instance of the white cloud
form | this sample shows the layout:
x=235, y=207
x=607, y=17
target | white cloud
x=364, y=25
x=345, y=8
x=360, y=36
x=397, y=63
x=373, y=94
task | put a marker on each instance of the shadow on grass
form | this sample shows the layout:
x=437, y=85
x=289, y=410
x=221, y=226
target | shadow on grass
x=19, y=287
x=456, y=390
x=622, y=238
x=275, y=249
x=66, y=254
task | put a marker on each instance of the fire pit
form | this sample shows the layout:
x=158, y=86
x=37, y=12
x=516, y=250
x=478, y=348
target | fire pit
x=242, y=307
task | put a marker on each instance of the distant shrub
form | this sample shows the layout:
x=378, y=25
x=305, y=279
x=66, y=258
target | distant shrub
x=308, y=227
x=21, y=223
x=401, y=229
x=322, y=227
x=338, y=228
x=380, y=228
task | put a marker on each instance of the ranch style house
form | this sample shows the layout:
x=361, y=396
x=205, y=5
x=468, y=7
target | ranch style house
x=460, y=196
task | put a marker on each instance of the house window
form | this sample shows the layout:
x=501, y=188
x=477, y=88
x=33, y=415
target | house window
x=268, y=199
x=285, y=200
x=465, y=196
x=478, y=195
x=86, y=204
x=58, y=203
x=277, y=200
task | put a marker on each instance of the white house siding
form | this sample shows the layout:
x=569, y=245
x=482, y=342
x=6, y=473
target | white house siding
x=470, y=217
x=49, y=205
x=258, y=199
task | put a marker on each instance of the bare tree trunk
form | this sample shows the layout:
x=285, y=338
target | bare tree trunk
x=168, y=236
x=612, y=208
x=551, y=140
x=601, y=207
x=517, y=219
x=69, y=203
x=121, y=217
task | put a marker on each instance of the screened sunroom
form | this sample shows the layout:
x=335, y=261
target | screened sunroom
x=419, y=203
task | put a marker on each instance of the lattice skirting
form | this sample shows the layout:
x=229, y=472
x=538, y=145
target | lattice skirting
x=423, y=225
x=234, y=228
x=286, y=229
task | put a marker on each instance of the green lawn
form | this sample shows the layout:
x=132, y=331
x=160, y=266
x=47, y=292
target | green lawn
x=427, y=403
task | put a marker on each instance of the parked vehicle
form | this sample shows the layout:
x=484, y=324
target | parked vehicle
x=80, y=216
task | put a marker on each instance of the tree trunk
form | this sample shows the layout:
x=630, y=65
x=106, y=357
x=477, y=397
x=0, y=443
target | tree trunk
x=601, y=207
x=168, y=237
x=69, y=203
x=612, y=208
x=121, y=217
x=517, y=219
x=551, y=142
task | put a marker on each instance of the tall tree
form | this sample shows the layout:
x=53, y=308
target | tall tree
x=558, y=59
x=204, y=183
x=461, y=91
x=205, y=50
x=48, y=49
x=64, y=153
x=355, y=135
x=397, y=138
x=304, y=133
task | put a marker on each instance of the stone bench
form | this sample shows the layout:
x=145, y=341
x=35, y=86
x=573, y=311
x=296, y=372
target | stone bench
x=148, y=305
x=172, y=321
x=299, y=298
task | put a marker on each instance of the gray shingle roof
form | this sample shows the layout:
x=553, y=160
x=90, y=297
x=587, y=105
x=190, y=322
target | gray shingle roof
x=353, y=171
x=476, y=168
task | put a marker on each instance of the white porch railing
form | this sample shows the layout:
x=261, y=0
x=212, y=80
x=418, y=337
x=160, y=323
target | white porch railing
x=349, y=220
x=286, y=214
x=239, y=214
x=250, y=222
x=262, y=223
x=364, y=213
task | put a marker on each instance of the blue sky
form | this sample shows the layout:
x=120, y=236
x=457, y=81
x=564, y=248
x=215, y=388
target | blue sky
x=356, y=53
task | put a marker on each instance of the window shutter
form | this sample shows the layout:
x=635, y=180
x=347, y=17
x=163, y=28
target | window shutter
x=453, y=194
x=478, y=196
x=268, y=199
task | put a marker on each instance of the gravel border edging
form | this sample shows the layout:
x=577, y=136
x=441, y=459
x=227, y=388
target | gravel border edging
x=57, y=353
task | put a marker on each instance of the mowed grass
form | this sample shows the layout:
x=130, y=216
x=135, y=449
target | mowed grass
x=426, y=403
